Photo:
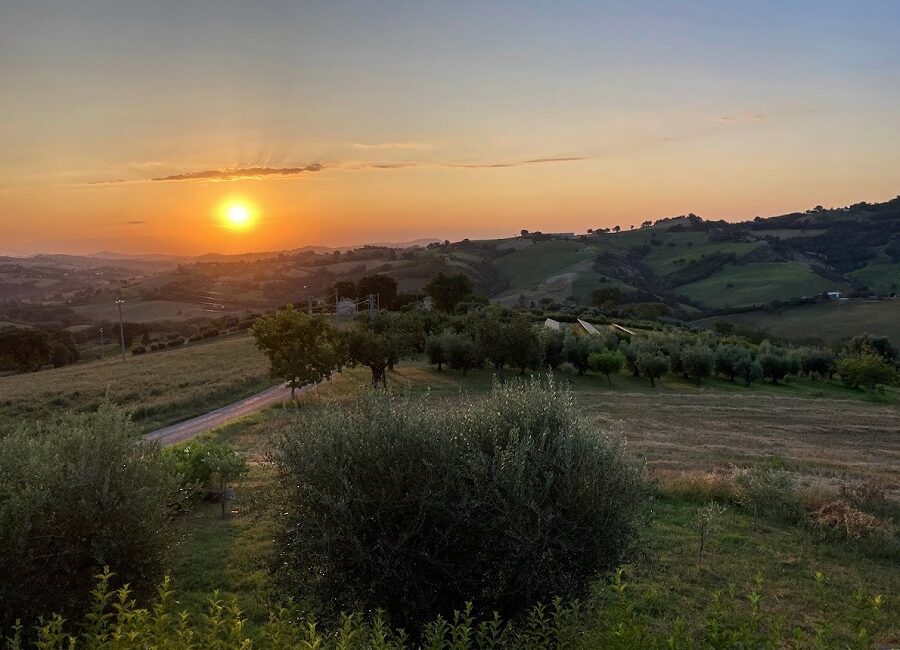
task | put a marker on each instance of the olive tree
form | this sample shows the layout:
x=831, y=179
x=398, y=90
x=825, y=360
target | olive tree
x=608, y=363
x=401, y=504
x=76, y=495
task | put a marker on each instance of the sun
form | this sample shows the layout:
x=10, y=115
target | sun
x=238, y=215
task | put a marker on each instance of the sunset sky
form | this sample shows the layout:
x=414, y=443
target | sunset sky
x=133, y=126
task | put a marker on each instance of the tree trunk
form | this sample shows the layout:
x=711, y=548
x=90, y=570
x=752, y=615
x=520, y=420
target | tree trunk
x=608, y=380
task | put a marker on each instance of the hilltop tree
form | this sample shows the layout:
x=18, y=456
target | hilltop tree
x=447, y=291
x=302, y=349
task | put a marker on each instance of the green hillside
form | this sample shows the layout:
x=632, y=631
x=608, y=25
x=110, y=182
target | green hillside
x=757, y=284
x=830, y=321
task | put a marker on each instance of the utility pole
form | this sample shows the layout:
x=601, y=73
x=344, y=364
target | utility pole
x=102, y=342
x=121, y=302
x=371, y=305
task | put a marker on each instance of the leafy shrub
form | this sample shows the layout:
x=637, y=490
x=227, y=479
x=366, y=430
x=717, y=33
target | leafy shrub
x=75, y=496
x=868, y=371
x=612, y=620
x=769, y=493
x=208, y=465
x=507, y=500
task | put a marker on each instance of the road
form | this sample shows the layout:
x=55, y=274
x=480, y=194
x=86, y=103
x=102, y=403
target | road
x=186, y=430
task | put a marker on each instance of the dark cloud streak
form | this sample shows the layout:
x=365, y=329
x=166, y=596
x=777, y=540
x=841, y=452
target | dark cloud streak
x=240, y=173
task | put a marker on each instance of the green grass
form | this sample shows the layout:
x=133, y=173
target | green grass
x=689, y=246
x=147, y=311
x=678, y=425
x=884, y=278
x=161, y=388
x=758, y=284
x=534, y=264
x=830, y=321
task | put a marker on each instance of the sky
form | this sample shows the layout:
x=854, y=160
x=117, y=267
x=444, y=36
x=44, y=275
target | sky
x=133, y=126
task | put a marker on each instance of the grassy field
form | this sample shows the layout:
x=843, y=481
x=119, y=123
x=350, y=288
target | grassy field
x=150, y=310
x=678, y=432
x=758, y=284
x=534, y=264
x=162, y=387
x=689, y=246
x=830, y=321
x=879, y=277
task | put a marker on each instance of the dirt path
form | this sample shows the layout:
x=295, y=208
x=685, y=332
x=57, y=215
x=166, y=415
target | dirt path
x=182, y=431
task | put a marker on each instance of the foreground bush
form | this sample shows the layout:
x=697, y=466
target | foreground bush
x=394, y=503
x=75, y=496
x=610, y=621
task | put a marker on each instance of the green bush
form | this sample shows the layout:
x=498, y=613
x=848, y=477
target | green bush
x=75, y=496
x=394, y=503
x=769, y=493
x=209, y=466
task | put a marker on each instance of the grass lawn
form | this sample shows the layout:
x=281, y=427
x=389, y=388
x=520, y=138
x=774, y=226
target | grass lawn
x=678, y=428
x=161, y=387
x=830, y=321
x=758, y=284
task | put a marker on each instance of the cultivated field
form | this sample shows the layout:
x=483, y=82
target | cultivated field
x=161, y=387
x=830, y=321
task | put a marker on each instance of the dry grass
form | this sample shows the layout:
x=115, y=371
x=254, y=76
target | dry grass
x=161, y=388
x=826, y=441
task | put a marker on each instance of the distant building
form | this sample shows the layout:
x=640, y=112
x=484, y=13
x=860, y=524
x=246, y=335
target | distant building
x=835, y=295
x=551, y=324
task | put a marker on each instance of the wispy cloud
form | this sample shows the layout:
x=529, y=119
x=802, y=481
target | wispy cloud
x=260, y=173
x=392, y=145
x=748, y=118
x=241, y=173
x=520, y=163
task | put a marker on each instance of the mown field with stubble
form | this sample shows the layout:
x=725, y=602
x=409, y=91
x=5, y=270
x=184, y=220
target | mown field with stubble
x=824, y=438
